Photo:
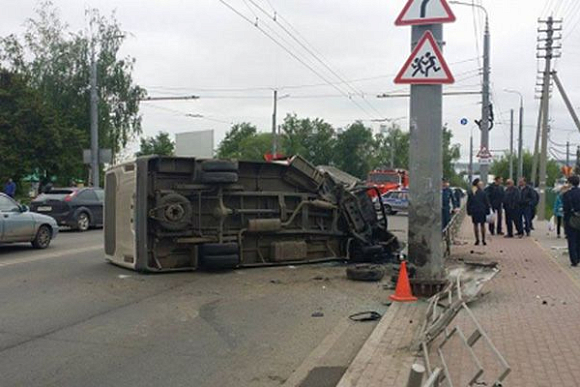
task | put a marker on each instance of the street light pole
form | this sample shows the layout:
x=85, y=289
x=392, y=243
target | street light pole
x=485, y=107
x=485, y=104
x=511, y=174
x=94, y=113
x=520, y=134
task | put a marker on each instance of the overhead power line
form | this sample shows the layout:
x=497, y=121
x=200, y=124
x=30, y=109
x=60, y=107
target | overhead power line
x=296, y=57
x=309, y=48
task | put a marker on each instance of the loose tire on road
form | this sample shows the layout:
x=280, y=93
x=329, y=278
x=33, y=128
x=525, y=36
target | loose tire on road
x=174, y=212
x=219, y=256
x=365, y=272
x=219, y=166
x=42, y=238
x=83, y=222
x=219, y=177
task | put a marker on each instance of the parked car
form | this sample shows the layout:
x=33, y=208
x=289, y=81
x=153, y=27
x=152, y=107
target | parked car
x=18, y=224
x=79, y=208
x=395, y=201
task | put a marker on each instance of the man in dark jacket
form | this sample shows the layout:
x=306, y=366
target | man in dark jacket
x=527, y=198
x=495, y=193
x=448, y=203
x=571, y=201
x=511, y=205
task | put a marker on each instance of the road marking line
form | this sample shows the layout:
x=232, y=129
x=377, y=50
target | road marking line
x=49, y=256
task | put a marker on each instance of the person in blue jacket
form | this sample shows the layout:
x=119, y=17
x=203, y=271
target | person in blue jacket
x=571, y=201
x=10, y=188
x=559, y=209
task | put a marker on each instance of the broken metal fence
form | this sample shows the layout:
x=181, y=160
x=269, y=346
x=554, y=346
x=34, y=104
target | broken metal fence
x=442, y=310
x=452, y=229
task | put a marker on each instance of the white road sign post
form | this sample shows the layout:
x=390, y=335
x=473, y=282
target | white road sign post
x=426, y=71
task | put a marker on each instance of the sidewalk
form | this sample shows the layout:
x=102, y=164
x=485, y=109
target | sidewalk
x=531, y=312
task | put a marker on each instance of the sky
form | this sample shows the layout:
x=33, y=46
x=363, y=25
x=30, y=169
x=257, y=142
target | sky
x=204, y=48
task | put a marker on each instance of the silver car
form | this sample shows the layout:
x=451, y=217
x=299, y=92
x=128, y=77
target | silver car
x=18, y=224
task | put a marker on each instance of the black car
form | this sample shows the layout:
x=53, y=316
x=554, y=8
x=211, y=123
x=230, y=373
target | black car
x=79, y=208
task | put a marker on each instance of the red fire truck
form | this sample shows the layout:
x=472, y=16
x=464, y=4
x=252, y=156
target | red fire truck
x=388, y=179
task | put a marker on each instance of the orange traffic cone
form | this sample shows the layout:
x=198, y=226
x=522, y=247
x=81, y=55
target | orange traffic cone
x=403, y=289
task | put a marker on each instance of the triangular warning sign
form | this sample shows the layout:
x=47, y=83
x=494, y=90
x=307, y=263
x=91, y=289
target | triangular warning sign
x=484, y=153
x=417, y=12
x=426, y=65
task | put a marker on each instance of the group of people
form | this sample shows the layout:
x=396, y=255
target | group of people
x=486, y=205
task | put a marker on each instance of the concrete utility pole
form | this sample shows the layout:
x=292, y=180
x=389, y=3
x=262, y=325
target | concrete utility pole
x=485, y=104
x=566, y=100
x=484, y=124
x=274, y=133
x=94, y=122
x=548, y=56
x=512, y=144
x=426, y=165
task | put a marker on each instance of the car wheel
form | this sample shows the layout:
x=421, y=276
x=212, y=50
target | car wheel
x=388, y=210
x=219, y=256
x=83, y=221
x=174, y=212
x=42, y=238
x=394, y=212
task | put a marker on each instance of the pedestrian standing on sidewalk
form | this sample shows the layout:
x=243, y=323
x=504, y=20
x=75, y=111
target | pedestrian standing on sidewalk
x=448, y=204
x=527, y=197
x=511, y=205
x=478, y=208
x=571, y=201
x=495, y=193
x=559, y=209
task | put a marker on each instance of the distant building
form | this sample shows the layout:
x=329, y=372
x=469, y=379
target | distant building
x=195, y=144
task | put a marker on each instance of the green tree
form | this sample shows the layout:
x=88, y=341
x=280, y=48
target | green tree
x=353, y=150
x=231, y=146
x=254, y=148
x=56, y=61
x=34, y=138
x=392, y=145
x=312, y=139
x=501, y=168
x=161, y=145
x=451, y=153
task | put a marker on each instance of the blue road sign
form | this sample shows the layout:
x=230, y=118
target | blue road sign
x=464, y=121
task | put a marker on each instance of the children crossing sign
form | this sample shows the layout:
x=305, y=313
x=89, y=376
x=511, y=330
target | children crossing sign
x=418, y=12
x=426, y=65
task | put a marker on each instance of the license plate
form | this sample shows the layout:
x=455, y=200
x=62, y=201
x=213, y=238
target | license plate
x=44, y=209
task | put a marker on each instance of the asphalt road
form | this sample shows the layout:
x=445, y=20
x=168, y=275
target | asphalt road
x=68, y=318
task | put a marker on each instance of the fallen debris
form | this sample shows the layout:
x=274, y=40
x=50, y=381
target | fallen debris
x=365, y=316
